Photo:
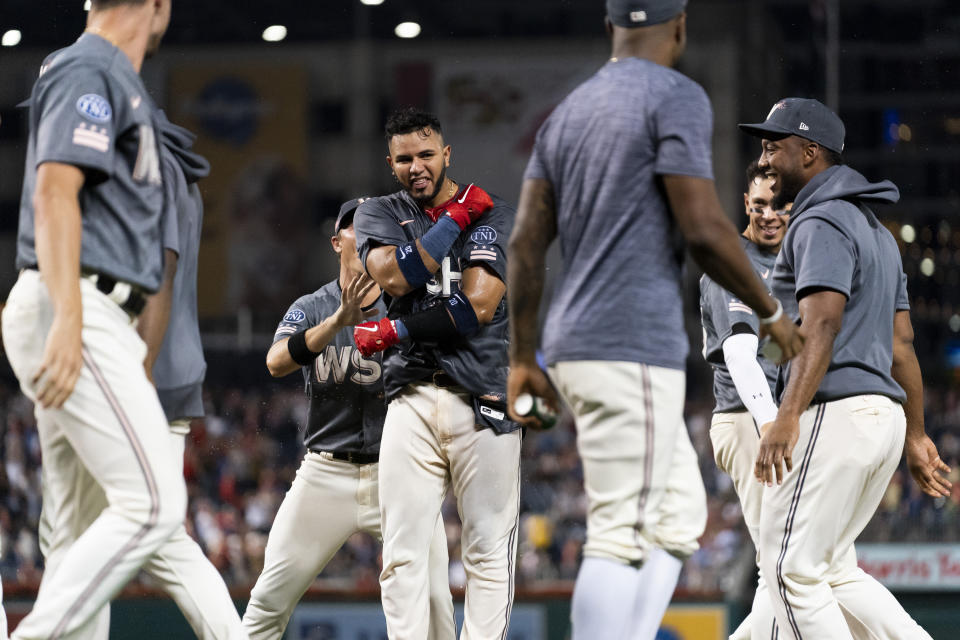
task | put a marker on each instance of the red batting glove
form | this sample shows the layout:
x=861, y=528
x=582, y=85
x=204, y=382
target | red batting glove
x=465, y=209
x=374, y=336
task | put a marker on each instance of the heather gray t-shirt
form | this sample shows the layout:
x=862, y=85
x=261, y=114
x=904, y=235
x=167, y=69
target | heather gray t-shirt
x=618, y=295
x=90, y=109
x=721, y=312
x=834, y=244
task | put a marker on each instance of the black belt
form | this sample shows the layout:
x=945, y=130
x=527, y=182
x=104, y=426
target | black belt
x=128, y=296
x=442, y=379
x=355, y=458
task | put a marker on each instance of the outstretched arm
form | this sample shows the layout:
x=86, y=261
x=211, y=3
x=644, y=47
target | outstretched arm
x=534, y=229
x=925, y=465
x=280, y=361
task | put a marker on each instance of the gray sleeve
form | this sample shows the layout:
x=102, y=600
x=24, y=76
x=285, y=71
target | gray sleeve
x=170, y=218
x=903, y=299
x=487, y=242
x=375, y=225
x=684, y=127
x=536, y=169
x=823, y=257
x=77, y=119
x=727, y=311
x=301, y=316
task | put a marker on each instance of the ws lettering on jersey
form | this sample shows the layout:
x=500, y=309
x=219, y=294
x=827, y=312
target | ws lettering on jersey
x=347, y=405
x=478, y=362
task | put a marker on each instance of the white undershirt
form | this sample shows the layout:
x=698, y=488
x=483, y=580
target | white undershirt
x=740, y=355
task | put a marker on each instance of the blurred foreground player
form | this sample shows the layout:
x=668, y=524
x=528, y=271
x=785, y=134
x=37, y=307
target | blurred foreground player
x=623, y=162
x=89, y=250
x=168, y=326
x=841, y=414
x=335, y=493
x=437, y=249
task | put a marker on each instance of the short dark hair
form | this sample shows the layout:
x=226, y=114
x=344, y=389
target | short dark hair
x=109, y=4
x=753, y=172
x=410, y=119
x=833, y=158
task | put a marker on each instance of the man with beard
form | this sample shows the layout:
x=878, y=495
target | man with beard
x=437, y=248
x=89, y=250
x=844, y=398
x=743, y=381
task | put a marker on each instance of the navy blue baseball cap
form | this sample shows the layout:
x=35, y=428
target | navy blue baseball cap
x=803, y=117
x=643, y=13
x=345, y=217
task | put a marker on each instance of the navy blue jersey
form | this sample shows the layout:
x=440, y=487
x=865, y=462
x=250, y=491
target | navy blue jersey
x=347, y=407
x=90, y=109
x=479, y=362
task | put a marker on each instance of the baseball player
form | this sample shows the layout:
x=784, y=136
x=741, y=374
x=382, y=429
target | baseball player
x=437, y=248
x=621, y=163
x=841, y=414
x=335, y=493
x=89, y=250
x=743, y=381
x=168, y=326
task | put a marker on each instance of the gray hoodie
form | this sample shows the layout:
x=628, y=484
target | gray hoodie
x=180, y=367
x=835, y=242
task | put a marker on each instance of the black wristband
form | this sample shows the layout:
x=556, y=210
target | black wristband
x=299, y=351
x=433, y=324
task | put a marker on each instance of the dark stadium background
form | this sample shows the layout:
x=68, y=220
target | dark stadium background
x=293, y=129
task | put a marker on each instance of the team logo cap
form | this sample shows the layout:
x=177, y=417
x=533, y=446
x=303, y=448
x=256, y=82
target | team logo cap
x=643, y=13
x=804, y=117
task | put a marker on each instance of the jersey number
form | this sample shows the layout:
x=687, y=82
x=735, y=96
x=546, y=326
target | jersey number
x=447, y=277
x=147, y=168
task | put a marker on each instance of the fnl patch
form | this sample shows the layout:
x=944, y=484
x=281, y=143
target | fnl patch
x=94, y=107
x=294, y=315
x=484, y=235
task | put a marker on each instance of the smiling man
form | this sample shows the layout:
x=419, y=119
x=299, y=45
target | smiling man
x=842, y=412
x=438, y=249
x=743, y=381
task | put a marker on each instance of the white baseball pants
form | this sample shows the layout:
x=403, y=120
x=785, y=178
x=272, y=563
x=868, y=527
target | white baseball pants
x=114, y=425
x=640, y=471
x=180, y=567
x=431, y=441
x=329, y=501
x=846, y=454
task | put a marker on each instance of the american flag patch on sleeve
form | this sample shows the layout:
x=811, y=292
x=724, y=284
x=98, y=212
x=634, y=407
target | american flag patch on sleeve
x=95, y=137
x=483, y=253
x=736, y=305
x=285, y=330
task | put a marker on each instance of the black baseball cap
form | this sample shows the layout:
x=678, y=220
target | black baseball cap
x=804, y=117
x=643, y=13
x=345, y=217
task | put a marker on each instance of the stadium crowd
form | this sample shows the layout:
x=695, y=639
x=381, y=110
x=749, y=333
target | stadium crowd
x=241, y=459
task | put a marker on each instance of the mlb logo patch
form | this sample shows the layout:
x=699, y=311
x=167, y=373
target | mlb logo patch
x=638, y=16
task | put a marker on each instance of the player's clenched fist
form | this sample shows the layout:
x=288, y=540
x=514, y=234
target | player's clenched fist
x=466, y=209
x=375, y=336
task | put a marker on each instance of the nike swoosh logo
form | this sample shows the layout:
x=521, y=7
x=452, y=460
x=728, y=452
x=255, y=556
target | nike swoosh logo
x=464, y=196
x=405, y=222
x=766, y=272
x=374, y=329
